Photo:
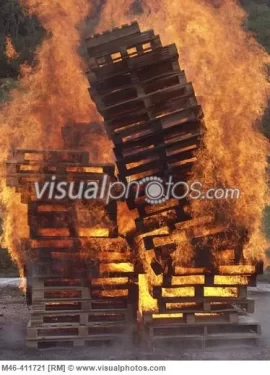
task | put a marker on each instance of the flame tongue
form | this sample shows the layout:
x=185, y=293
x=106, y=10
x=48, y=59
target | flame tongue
x=51, y=93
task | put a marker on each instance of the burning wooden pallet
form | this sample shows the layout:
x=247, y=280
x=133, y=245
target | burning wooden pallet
x=152, y=116
x=80, y=276
x=193, y=307
x=212, y=293
x=89, y=309
x=150, y=111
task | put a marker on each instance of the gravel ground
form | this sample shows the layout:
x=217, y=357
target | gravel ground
x=14, y=315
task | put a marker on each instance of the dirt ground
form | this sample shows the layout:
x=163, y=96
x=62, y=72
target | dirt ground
x=14, y=315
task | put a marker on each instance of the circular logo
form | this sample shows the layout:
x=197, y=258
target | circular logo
x=154, y=190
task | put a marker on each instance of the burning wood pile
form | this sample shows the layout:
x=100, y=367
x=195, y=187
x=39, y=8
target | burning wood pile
x=195, y=286
x=186, y=276
x=79, y=272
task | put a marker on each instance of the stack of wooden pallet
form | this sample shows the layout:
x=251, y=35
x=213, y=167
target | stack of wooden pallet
x=150, y=113
x=80, y=275
x=152, y=116
x=203, y=309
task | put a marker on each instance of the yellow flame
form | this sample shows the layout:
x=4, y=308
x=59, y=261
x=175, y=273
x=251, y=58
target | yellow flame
x=239, y=280
x=220, y=292
x=178, y=292
x=182, y=280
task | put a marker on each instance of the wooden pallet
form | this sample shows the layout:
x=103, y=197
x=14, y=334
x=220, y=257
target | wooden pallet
x=169, y=217
x=82, y=310
x=81, y=317
x=203, y=243
x=65, y=156
x=204, y=334
x=92, y=251
x=71, y=219
x=61, y=334
x=225, y=270
x=159, y=97
x=99, y=39
x=29, y=167
x=150, y=113
x=81, y=262
x=25, y=175
x=160, y=61
x=183, y=121
x=75, y=266
x=159, y=163
x=111, y=244
x=242, y=306
x=225, y=316
x=136, y=82
x=130, y=47
x=96, y=290
x=134, y=90
x=208, y=280
x=104, y=49
x=65, y=232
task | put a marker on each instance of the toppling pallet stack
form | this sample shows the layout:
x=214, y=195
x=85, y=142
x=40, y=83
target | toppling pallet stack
x=156, y=125
x=150, y=113
x=80, y=275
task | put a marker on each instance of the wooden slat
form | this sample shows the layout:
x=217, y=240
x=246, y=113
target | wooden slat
x=109, y=36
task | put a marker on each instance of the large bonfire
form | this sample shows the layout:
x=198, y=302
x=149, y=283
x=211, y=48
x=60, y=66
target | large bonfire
x=225, y=63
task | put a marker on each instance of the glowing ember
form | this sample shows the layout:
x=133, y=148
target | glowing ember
x=52, y=208
x=30, y=168
x=51, y=243
x=241, y=280
x=207, y=314
x=110, y=281
x=164, y=316
x=114, y=293
x=178, y=292
x=95, y=232
x=188, y=271
x=53, y=232
x=182, y=305
x=220, y=292
x=116, y=267
x=113, y=256
x=182, y=280
x=242, y=269
x=85, y=169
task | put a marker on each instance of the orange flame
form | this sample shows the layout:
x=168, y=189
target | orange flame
x=11, y=52
x=51, y=93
